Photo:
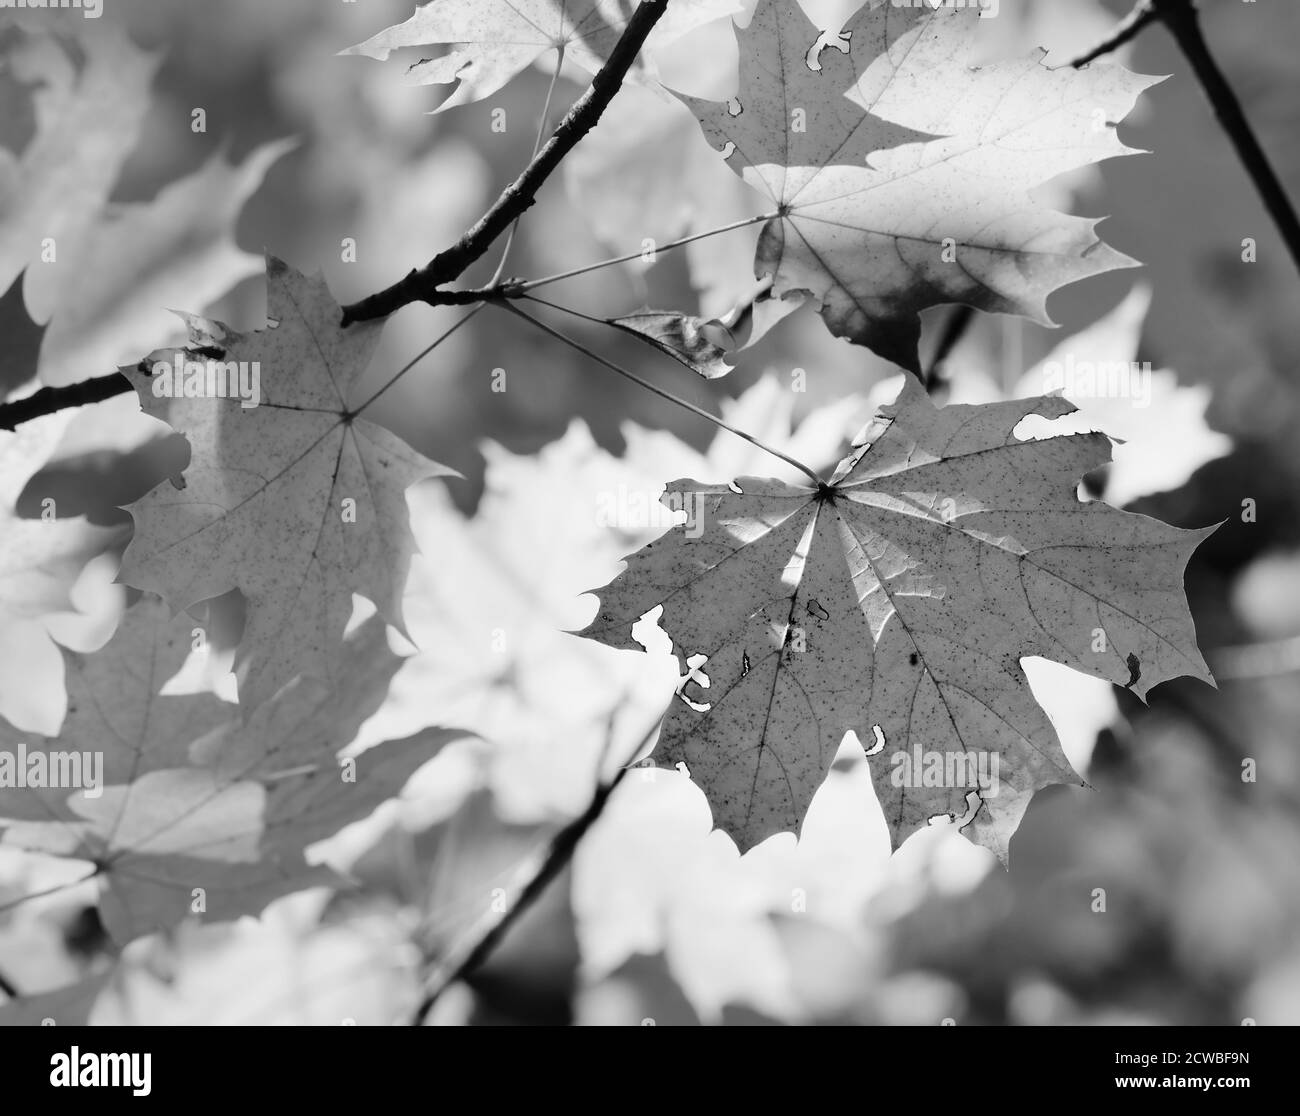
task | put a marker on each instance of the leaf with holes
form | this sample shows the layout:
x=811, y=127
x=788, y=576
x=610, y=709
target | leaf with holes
x=175, y=793
x=902, y=175
x=897, y=601
x=289, y=497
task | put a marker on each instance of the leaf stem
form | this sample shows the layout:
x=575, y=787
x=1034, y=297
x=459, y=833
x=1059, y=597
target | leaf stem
x=419, y=357
x=663, y=393
x=532, y=284
x=537, y=144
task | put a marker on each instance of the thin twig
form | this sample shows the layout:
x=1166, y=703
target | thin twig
x=537, y=146
x=50, y=399
x=1181, y=18
x=664, y=394
x=533, y=284
x=8, y=987
x=558, y=855
x=522, y=193
x=1125, y=31
x=497, y=290
x=419, y=357
x=1183, y=22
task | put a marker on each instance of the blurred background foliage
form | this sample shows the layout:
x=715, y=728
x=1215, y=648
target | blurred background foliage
x=658, y=918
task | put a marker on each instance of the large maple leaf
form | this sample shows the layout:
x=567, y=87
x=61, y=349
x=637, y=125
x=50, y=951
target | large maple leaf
x=497, y=39
x=185, y=793
x=296, y=502
x=897, y=601
x=902, y=175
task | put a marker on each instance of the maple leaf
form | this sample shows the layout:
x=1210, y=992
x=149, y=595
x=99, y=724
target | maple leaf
x=497, y=39
x=902, y=176
x=88, y=118
x=497, y=656
x=295, y=502
x=188, y=795
x=897, y=601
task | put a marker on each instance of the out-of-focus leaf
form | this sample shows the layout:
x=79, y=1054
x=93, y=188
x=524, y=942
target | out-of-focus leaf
x=183, y=807
x=87, y=121
x=40, y=560
x=107, y=297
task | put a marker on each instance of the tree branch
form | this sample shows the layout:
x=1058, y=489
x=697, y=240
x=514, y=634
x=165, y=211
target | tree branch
x=558, y=855
x=1125, y=31
x=420, y=284
x=1180, y=17
x=663, y=394
x=50, y=399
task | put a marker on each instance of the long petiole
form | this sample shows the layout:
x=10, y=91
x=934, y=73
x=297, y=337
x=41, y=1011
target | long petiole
x=419, y=357
x=534, y=283
x=662, y=393
x=537, y=146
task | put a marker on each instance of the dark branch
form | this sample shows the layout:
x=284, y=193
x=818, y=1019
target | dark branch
x=1181, y=19
x=1180, y=16
x=1125, y=31
x=421, y=285
x=51, y=399
x=562, y=847
x=558, y=855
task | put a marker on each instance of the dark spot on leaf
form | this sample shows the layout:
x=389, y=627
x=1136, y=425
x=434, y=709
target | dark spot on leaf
x=1134, y=670
x=814, y=607
x=912, y=658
